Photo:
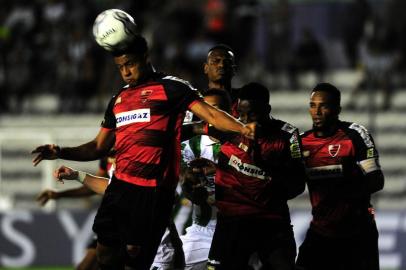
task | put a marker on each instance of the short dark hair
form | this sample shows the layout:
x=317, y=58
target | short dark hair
x=224, y=95
x=136, y=45
x=256, y=92
x=331, y=90
x=221, y=47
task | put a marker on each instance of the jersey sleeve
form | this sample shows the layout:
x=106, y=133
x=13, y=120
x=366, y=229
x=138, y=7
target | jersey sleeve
x=109, y=120
x=180, y=93
x=292, y=172
x=366, y=154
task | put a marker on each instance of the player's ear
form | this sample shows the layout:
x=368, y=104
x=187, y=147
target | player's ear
x=205, y=67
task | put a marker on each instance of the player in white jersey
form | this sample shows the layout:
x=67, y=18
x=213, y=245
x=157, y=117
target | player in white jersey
x=198, y=237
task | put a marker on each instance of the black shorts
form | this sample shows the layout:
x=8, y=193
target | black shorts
x=133, y=215
x=235, y=240
x=358, y=252
x=92, y=244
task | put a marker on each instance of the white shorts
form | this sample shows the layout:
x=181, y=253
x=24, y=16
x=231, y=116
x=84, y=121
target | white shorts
x=196, y=244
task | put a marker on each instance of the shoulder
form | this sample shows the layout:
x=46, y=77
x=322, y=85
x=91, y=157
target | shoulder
x=175, y=82
x=358, y=132
x=306, y=133
x=284, y=127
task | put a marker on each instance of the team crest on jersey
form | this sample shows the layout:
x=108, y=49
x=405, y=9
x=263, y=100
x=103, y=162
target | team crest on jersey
x=135, y=116
x=333, y=149
x=145, y=95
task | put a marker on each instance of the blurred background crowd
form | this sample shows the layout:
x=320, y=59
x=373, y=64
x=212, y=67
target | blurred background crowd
x=47, y=45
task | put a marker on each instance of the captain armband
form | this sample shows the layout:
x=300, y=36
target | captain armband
x=369, y=165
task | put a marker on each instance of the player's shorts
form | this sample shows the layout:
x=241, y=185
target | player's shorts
x=358, y=252
x=92, y=243
x=134, y=215
x=169, y=255
x=236, y=239
x=196, y=244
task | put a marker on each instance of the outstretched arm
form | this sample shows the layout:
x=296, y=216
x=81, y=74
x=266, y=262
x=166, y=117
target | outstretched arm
x=92, y=150
x=94, y=183
x=49, y=194
x=222, y=120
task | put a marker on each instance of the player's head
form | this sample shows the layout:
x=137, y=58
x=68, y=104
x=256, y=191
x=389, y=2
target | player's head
x=132, y=60
x=253, y=105
x=220, y=64
x=325, y=106
x=218, y=98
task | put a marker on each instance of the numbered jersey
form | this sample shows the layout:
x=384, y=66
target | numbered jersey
x=336, y=166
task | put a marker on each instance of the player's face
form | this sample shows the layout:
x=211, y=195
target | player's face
x=322, y=110
x=219, y=66
x=248, y=112
x=214, y=101
x=131, y=67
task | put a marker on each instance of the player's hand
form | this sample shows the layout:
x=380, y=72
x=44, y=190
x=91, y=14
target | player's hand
x=46, y=151
x=203, y=166
x=65, y=173
x=249, y=130
x=45, y=196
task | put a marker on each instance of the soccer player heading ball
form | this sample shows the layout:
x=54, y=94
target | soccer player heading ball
x=143, y=122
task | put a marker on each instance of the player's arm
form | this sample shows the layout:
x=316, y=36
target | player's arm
x=221, y=120
x=367, y=159
x=92, y=150
x=95, y=183
x=49, y=194
x=290, y=177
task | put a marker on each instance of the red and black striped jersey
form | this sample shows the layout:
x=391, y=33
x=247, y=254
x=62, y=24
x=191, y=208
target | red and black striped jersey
x=256, y=178
x=336, y=167
x=147, y=120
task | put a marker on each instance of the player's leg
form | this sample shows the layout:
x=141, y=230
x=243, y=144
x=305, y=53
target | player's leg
x=105, y=226
x=362, y=251
x=150, y=210
x=89, y=262
x=317, y=253
x=275, y=244
x=230, y=247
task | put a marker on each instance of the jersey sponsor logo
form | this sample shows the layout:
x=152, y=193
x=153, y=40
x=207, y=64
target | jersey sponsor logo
x=370, y=152
x=135, y=116
x=333, y=149
x=329, y=171
x=363, y=132
x=294, y=146
x=243, y=147
x=247, y=169
x=289, y=128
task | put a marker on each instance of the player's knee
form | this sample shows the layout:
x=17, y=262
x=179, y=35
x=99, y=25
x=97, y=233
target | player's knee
x=133, y=250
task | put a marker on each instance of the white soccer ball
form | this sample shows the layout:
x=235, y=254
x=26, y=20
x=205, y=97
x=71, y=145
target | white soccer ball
x=113, y=28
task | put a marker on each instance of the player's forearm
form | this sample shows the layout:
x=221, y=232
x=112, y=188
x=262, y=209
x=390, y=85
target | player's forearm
x=225, y=122
x=82, y=191
x=85, y=152
x=96, y=184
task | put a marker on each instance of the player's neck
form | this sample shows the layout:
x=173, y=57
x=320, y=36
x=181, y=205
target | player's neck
x=326, y=131
x=220, y=85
